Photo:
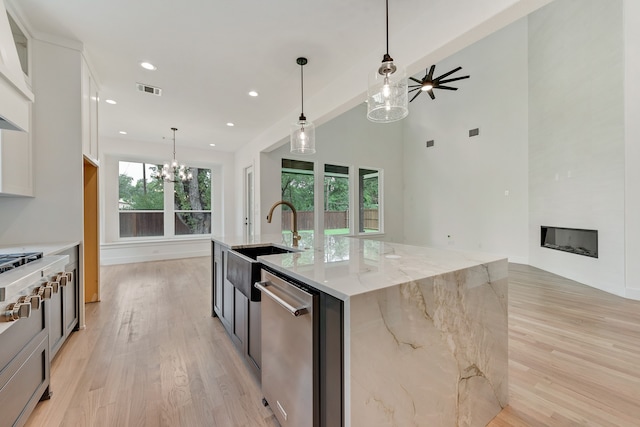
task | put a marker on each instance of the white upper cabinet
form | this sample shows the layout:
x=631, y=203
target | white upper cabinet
x=90, y=101
x=15, y=95
x=16, y=176
x=16, y=101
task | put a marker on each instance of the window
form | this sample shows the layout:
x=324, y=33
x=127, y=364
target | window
x=144, y=210
x=140, y=201
x=297, y=182
x=369, y=200
x=192, y=204
x=336, y=199
x=351, y=198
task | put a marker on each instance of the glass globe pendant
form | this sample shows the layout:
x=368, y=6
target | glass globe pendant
x=387, y=96
x=303, y=132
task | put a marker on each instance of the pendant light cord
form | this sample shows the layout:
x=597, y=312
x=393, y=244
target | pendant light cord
x=387, y=9
x=387, y=58
x=174, y=142
x=302, y=62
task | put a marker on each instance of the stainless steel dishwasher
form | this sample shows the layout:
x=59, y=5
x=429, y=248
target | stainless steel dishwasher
x=289, y=351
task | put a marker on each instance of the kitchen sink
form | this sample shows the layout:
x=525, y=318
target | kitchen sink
x=243, y=268
x=256, y=251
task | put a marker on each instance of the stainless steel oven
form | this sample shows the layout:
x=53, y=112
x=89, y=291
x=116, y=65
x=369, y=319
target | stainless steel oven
x=289, y=351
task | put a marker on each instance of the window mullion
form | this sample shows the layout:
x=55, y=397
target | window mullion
x=169, y=215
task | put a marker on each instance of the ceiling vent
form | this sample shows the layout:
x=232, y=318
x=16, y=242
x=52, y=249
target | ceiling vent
x=149, y=89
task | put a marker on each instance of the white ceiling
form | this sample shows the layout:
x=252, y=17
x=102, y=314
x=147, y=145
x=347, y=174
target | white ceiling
x=211, y=53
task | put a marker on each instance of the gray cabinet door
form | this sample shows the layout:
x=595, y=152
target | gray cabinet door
x=254, y=347
x=216, y=281
x=71, y=295
x=56, y=322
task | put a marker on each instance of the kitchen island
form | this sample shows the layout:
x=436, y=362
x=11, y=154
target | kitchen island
x=424, y=330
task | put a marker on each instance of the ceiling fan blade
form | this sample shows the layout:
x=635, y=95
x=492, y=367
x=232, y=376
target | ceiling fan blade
x=416, y=80
x=414, y=89
x=431, y=94
x=454, y=79
x=449, y=73
x=430, y=73
x=446, y=87
x=415, y=96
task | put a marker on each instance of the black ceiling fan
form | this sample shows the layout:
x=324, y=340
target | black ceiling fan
x=428, y=83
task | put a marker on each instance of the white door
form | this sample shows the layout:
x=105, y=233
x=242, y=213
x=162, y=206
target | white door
x=248, y=201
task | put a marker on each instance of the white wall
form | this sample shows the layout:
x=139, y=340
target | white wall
x=347, y=140
x=55, y=214
x=116, y=251
x=455, y=191
x=576, y=136
x=631, y=25
x=415, y=47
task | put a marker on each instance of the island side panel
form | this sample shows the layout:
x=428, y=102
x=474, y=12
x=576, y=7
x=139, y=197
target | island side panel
x=431, y=352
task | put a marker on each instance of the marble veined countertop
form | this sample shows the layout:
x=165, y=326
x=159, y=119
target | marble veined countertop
x=347, y=266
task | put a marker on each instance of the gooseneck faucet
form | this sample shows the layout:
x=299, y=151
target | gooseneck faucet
x=294, y=219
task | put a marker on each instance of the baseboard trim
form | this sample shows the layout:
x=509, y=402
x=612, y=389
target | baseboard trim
x=633, y=293
x=124, y=253
x=152, y=257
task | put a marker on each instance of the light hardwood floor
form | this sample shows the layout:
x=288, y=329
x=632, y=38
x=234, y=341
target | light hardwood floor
x=152, y=356
x=574, y=354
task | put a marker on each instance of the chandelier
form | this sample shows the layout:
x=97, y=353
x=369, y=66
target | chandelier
x=173, y=172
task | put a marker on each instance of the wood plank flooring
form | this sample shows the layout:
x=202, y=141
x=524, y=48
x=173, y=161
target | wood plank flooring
x=574, y=354
x=152, y=356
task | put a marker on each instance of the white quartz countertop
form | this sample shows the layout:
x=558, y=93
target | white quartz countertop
x=46, y=248
x=348, y=266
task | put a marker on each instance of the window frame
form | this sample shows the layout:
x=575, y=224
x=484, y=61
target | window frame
x=350, y=211
x=178, y=211
x=354, y=196
x=380, y=173
x=168, y=211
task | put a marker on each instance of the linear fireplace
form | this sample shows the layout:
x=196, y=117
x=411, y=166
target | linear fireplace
x=574, y=240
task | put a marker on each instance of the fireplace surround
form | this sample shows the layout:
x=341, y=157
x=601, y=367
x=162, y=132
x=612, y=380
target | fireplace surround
x=574, y=240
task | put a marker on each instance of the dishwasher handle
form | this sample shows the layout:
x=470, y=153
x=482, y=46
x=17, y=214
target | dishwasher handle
x=295, y=311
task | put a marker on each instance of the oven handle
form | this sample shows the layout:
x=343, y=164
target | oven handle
x=295, y=311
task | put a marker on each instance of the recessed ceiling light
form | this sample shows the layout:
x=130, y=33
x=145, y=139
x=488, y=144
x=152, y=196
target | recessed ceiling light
x=253, y=93
x=111, y=101
x=123, y=132
x=148, y=66
x=212, y=145
x=230, y=124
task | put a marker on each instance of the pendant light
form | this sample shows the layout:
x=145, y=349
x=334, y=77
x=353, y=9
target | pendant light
x=303, y=132
x=387, y=99
x=172, y=172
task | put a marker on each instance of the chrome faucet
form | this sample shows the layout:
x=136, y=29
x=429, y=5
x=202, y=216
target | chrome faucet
x=294, y=219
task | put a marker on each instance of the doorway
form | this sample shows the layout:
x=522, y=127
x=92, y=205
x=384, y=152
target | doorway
x=91, y=238
x=248, y=202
